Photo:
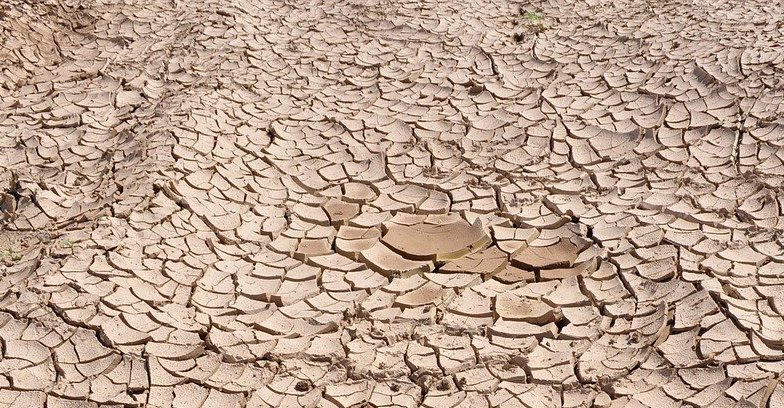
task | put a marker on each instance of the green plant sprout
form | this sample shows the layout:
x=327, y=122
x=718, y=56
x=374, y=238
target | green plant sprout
x=536, y=21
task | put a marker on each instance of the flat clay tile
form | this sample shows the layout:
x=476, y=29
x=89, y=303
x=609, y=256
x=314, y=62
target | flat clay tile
x=436, y=242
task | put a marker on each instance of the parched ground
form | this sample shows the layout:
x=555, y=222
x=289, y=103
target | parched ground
x=390, y=203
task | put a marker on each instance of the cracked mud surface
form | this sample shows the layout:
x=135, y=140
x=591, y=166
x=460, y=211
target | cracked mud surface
x=391, y=204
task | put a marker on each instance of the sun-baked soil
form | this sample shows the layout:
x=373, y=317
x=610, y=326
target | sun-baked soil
x=377, y=203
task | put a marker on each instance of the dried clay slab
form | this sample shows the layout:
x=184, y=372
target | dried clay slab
x=437, y=242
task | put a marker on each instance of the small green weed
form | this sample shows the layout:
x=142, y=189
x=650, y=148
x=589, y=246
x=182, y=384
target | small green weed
x=536, y=21
x=10, y=255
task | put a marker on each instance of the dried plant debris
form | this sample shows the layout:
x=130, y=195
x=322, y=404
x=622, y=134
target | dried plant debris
x=391, y=204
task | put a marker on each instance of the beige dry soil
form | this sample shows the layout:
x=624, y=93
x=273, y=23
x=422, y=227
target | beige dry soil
x=391, y=203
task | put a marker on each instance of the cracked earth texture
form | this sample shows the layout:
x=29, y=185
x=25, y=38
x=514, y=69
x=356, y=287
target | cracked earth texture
x=380, y=203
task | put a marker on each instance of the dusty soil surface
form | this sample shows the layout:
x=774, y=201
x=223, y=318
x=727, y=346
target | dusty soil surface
x=255, y=203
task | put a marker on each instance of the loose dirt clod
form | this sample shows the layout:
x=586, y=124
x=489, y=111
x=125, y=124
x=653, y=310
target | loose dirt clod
x=302, y=386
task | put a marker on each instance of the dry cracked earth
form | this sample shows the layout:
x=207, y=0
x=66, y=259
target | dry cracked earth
x=391, y=203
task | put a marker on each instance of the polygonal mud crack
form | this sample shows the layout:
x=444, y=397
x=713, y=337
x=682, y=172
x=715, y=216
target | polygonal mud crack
x=434, y=240
x=391, y=204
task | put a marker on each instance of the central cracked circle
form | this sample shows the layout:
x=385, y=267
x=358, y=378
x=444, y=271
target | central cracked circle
x=443, y=262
